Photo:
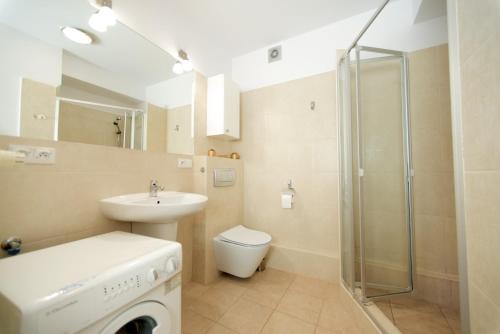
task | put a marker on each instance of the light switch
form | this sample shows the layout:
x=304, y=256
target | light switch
x=184, y=163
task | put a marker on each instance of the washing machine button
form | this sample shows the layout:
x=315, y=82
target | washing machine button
x=152, y=275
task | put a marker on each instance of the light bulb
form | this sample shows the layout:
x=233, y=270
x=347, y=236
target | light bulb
x=177, y=68
x=76, y=35
x=187, y=66
x=97, y=22
x=108, y=15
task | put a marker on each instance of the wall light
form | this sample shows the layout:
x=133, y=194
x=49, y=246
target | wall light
x=104, y=17
x=76, y=35
x=178, y=68
x=184, y=64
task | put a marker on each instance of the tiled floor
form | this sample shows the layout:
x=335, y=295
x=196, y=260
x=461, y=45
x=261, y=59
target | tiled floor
x=415, y=316
x=271, y=302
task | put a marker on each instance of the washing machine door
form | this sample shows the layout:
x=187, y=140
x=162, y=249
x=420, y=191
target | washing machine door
x=142, y=318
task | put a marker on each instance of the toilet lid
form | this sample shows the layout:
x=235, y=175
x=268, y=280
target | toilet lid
x=245, y=236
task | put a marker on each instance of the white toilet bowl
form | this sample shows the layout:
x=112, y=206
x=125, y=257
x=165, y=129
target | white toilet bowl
x=240, y=250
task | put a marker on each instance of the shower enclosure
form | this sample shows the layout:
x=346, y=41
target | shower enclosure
x=376, y=173
x=100, y=124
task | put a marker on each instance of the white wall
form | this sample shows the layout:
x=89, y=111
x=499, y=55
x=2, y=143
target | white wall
x=315, y=52
x=23, y=57
x=172, y=93
x=82, y=70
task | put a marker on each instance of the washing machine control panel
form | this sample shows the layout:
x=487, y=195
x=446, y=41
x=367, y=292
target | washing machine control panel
x=133, y=284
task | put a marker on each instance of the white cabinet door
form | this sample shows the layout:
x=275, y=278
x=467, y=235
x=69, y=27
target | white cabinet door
x=223, y=108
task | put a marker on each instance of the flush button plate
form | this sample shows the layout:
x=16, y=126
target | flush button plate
x=224, y=177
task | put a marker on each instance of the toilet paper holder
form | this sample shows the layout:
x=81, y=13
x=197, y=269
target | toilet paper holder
x=288, y=196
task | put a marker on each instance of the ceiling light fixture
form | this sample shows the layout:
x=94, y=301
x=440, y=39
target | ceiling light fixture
x=76, y=35
x=97, y=23
x=177, y=68
x=104, y=17
x=184, y=64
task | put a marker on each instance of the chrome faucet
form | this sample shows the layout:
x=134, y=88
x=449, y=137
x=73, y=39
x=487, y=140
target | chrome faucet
x=154, y=186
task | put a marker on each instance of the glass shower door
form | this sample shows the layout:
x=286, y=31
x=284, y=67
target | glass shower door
x=381, y=174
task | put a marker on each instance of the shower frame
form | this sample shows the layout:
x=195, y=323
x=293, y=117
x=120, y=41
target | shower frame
x=132, y=112
x=348, y=261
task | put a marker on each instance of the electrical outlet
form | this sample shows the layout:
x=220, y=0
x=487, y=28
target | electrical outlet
x=35, y=154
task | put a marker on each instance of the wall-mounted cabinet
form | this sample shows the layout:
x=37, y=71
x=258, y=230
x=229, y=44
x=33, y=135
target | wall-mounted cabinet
x=223, y=108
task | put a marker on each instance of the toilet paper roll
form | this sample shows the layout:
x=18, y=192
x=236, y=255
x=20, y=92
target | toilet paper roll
x=286, y=200
x=9, y=158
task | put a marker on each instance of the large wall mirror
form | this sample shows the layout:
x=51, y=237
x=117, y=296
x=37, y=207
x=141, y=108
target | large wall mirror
x=119, y=90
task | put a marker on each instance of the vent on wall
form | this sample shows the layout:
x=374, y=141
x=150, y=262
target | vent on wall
x=274, y=54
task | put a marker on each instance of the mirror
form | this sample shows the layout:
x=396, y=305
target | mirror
x=118, y=90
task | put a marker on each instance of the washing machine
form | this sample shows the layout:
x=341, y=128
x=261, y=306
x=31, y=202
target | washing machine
x=114, y=283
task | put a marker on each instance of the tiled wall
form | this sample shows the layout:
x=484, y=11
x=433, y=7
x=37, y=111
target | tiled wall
x=47, y=205
x=179, y=136
x=224, y=210
x=434, y=210
x=283, y=139
x=479, y=48
x=157, y=129
x=81, y=124
x=37, y=99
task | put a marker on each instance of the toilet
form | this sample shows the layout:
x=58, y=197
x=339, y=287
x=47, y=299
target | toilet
x=240, y=250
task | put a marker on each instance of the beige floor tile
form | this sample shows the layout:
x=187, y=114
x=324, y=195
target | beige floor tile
x=321, y=330
x=193, y=289
x=266, y=292
x=187, y=301
x=333, y=291
x=310, y=286
x=218, y=329
x=399, y=311
x=423, y=323
x=280, y=323
x=300, y=305
x=404, y=305
x=275, y=276
x=232, y=286
x=263, y=298
x=453, y=318
x=214, y=302
x=193, y=323
x=246, y=317
x=335, y=316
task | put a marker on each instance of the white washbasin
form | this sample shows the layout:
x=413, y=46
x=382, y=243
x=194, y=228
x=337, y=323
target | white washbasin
x=167, y=207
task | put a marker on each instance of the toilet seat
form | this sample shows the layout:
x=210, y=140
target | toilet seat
x=240, y=235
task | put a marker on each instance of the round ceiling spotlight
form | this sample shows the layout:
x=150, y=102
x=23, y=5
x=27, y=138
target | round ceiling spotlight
x=184, y=64
x=76, y=35
x=178, y=68
x=104, y=17
x=187, y=65
x=108, y=15
x=97, y=23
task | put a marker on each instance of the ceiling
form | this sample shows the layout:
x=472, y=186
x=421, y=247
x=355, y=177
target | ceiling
x=215, y=31
x=120, y=49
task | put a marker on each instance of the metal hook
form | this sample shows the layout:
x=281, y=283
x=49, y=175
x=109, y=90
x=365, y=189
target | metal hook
x=312, y=105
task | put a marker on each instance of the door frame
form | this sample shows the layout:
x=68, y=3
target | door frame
x=408, y=168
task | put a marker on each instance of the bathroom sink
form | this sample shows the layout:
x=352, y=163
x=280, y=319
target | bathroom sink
x=166, y=207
